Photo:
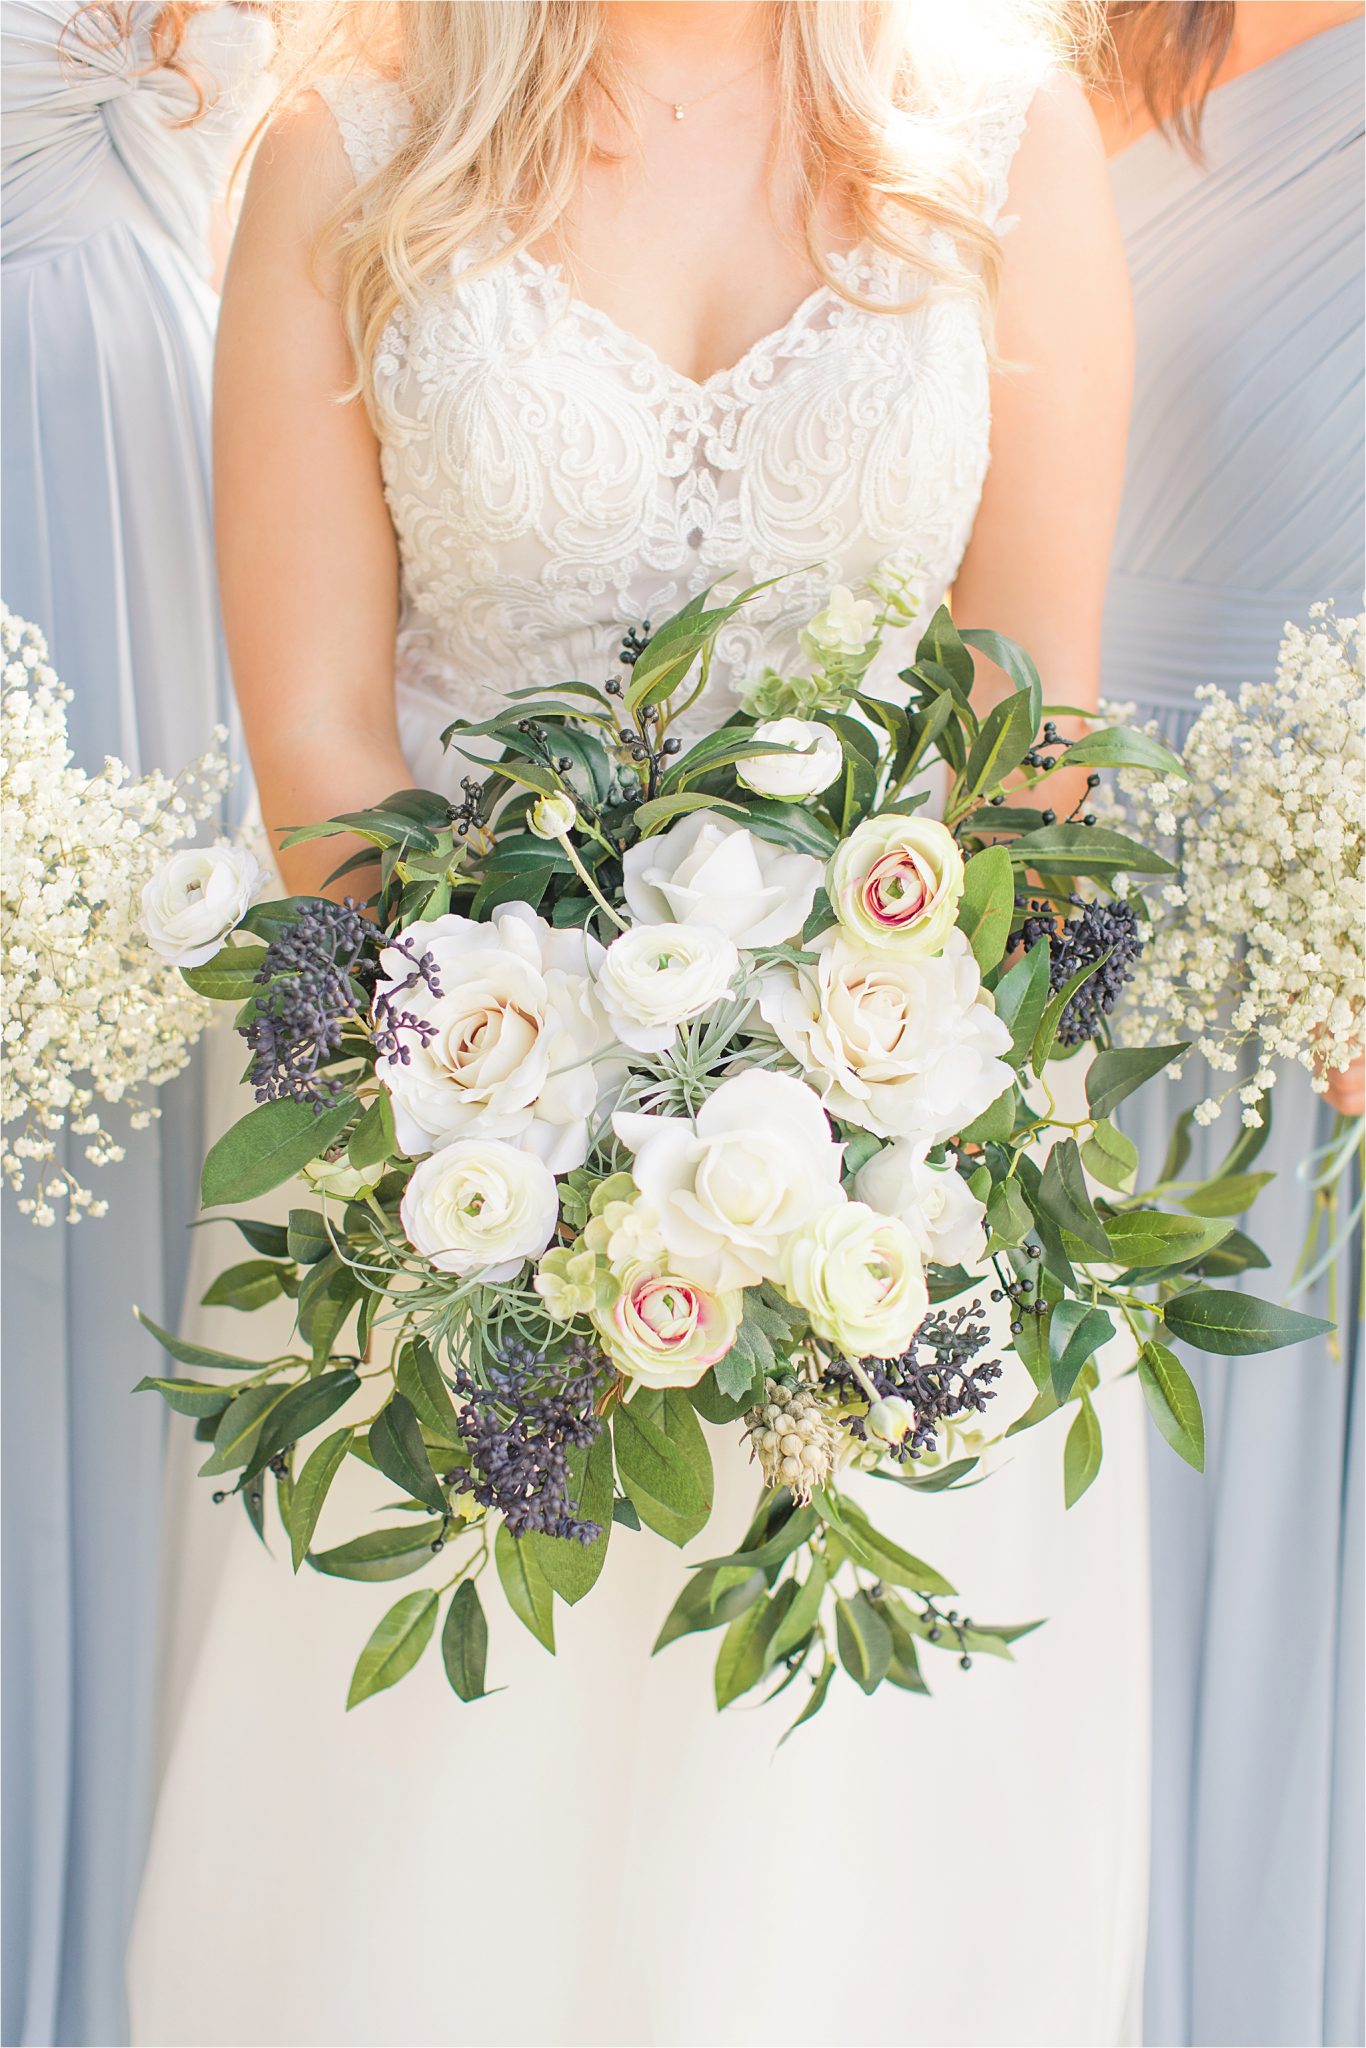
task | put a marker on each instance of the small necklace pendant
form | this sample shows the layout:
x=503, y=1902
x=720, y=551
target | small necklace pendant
x=679, y=112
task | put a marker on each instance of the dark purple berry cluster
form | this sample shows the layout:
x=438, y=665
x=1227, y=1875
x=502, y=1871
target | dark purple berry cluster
x=390, y=1018
x=1099, y=929
x=314, y=976
x=520, y=1429
x=937, y=1376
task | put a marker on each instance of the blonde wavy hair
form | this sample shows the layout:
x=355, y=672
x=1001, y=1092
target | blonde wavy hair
x=506, y=99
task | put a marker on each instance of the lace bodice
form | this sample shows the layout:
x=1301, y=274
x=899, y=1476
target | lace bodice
x=553, y=481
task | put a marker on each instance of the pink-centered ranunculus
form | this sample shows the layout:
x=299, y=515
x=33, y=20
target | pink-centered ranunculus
x=897, y=881
x=665, y=1331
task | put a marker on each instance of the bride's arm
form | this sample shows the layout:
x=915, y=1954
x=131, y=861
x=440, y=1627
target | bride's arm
x=1036, y=565
x=307, y=557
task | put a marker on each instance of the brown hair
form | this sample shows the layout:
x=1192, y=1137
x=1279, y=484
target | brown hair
x=1170, y=50
x=108, y=25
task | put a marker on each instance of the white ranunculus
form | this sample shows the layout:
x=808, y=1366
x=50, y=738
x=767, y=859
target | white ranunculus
x=905, y=1046
x=338, y=1178
x=934, y=1202
x=552, y=817
x=814, y=759
x=896, y=882
x=515, y=1035
x=195, y=898
x=846, y=625
x=731, y=1186
x=858, y=1275
x=480, y=1208
x=656, y=976
x=709, y=870
x=665, y=1331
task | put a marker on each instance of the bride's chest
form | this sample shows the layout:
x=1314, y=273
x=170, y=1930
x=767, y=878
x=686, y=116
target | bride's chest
x=524, y=433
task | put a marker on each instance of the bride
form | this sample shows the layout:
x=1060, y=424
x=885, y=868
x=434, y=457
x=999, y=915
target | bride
x=544, y=315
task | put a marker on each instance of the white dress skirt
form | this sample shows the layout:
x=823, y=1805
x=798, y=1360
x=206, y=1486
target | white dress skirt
x=594, y=1855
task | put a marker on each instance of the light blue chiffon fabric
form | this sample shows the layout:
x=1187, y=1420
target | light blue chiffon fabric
x=107, y=335
x=1242, y=505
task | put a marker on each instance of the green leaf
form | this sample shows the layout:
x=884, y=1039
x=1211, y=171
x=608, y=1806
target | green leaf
x=658, y=1465
x=305, y=1408
x=1235, y=1324
x=230, y=976
x=769, y=1329
x=1086, y=850
x=662, y=810
x=942, y=644
x=380, y=1553
x=529, y=1592
x=373, y=1140
x=896, y=1566
x=267, y=1146
x=1055, y=1259
x=1149, y=1239
x=743, y=1656
x=1076, y=1332
x=310, y=1491
x=1015, y=663
x=987, y=907
x=465, y=1642
x=201, y=1355
x=820, y=1687
x=247, y=1286
x=395, y=1646
x=307, y=1237
x=1021, y=998
x=1114, y=1074
x=239, y=1426
x=1110, y=1157
x=1045, y=1038
x=420, y=1381
x=188, y=1397
x=802, y=1615
x=995, y=1124
x=396, y=1445
x=1116, y=746
x=573, y=1568
x=789, y=1536
x=1081, y=1454
x=1173, y=1402
x=699, y=1607
x=1249, y=1141
x=864, y=1641
x=1230, y=1196
x=1235, y=1253
x=1005, y=738
x=325, y=1301
x=1062, y=1193
x=1008, y=1214
x=714, y=1406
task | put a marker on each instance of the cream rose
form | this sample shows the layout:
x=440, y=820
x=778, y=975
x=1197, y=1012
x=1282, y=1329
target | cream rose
x=906, y=1047
x=812, y=763
x=656, y=976
x=858, y=1276
x=665, y=1331
x=512, y=1043
x=729, y=1188
x=710, y=871
x=194, y=900
x=896, y=882
x=479, y=1208
x=934, y=1202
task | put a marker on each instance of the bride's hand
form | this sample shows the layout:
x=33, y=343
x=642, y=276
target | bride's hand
x=1347, y=1088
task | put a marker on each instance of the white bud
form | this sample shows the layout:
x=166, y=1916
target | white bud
x=889, y=1421
x=552, y=817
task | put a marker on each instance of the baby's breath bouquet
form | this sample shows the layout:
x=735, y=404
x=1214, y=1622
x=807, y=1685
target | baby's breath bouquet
x=91, y=1012
x=1256, y=949
x=687, y=1097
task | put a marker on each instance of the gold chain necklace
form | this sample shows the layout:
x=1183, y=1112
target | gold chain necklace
x=678, y=108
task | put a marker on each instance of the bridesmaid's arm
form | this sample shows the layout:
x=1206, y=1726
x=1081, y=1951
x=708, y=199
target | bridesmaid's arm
x=1035, y=568
x=308, y=562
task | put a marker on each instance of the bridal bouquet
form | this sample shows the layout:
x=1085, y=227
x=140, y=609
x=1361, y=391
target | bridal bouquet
x=679, y=1083
x=92, y=1012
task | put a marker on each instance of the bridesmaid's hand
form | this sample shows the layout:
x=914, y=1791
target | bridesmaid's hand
x=1347, y=1088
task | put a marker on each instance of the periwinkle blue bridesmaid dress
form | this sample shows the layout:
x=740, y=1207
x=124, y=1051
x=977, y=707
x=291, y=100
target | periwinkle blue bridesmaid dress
x=1242, y=505
x=107, y=338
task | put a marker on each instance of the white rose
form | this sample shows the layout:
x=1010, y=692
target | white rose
x=665, y=1331
x=814, y=760
x=846, y=625
x=858, y=1276
x=480, y=1207
x=708, y=870
x=195, y=898
x=896, y=882
x=512, y=1038
x=656, y=976
x=552, y=817
x=934, y=1202
x=731, y=1186
x=903, y=1046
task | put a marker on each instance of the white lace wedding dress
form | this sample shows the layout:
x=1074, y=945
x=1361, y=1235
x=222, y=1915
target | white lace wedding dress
x=595, y=1856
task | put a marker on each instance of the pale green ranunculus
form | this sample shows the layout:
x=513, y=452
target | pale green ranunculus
x=897, y=881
